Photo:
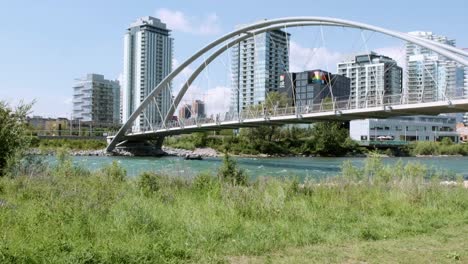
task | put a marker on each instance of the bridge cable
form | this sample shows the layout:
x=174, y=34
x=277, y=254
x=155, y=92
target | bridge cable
x=330, y=87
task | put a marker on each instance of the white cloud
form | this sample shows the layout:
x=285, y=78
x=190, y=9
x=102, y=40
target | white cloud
x=186, y=72
x=178, y=21
x=303, y=58
x=68, y=101
x=396, y=53
x=210, y=25
x=216, y=99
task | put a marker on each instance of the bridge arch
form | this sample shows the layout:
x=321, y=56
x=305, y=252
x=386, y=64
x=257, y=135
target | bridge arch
x=257, y=28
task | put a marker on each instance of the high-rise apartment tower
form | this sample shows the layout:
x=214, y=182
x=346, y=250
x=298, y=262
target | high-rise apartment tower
x=147, y=60
x=256, y=66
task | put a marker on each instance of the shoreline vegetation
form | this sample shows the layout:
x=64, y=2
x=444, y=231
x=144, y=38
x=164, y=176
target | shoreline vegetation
x=187, y=146
x=65, y=213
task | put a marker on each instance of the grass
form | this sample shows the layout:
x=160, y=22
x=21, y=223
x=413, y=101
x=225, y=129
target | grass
x=70, y=144
x=66, y=214
x=446, y=245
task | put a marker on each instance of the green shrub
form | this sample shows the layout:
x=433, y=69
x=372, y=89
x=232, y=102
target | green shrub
x=229, y=172
x=149, y=183
x=445, y=147
x=71, y=144
x=204, y=181
x=65, y=166
x=351, y=172
x=114, y=171
x=14, y=138
x=31, y=165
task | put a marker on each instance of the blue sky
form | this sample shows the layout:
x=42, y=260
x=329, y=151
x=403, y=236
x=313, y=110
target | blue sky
x=45, y=45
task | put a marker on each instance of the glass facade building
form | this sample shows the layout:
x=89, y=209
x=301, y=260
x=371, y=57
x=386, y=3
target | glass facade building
x=256, y=66
x=310, y=88
x=372, y=77
x=147, y=60
x=408, y=128
x=96, y=100
x=431, y=77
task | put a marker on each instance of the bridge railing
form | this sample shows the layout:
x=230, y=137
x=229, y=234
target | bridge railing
x=323, y=106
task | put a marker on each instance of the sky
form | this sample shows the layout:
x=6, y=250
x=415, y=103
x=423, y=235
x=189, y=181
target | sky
x=45, y=45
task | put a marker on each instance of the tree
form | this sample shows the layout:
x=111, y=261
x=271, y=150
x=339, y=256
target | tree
x=265, y=134
x=13, y=134
x=330, y=138
x=199, y=139
x=327, y=104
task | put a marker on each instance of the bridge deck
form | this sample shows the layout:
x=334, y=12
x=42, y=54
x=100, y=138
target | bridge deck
x=432, y=108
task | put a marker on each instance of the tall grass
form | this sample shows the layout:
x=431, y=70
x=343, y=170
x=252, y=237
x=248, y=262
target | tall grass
x=73, y=144
x=67, y=214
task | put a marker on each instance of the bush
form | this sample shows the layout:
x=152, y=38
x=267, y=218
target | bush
x=350, y=172
x=31, y=165
x=229, y=172
x=14, y=139
x=82, y=144
x=445, y=147
x=115, y=172
x=149, y=183
x=203, y=181
x=66, y=168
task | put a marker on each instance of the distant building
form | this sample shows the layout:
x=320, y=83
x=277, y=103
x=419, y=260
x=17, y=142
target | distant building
x=409, y=128
x=256, y=66
x=37, y=122
x=96, y=100
x=312, y=87
x=45, y=123
x=431, y=77
x=147, y=60
x=372, y=77
x=59, y=123
x=462, y=131
x=198, y=109
x=185, y=111
x=465, y=93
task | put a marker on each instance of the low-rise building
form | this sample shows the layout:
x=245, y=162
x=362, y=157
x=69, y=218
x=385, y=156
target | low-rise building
x=96, y=100
x=37, y=122
x=311, y=88
x=47, y=123
x=404, y=129
x=59, y=123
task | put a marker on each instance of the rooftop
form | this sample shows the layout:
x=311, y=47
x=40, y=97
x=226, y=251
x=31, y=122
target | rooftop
x=148, y=21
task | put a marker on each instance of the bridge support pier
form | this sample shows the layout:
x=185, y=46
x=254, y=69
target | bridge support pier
x=142, y=147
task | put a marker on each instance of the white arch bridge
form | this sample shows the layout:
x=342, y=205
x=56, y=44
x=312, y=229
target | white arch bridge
x=385, y=106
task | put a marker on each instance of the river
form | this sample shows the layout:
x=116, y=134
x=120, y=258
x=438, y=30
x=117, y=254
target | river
x=276, y=167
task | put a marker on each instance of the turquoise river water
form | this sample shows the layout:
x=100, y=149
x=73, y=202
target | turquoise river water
x=302, y=168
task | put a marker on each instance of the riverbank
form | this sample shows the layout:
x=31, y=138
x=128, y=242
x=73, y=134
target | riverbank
x=68, y=214
x=166, y=151
x=203, y=153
